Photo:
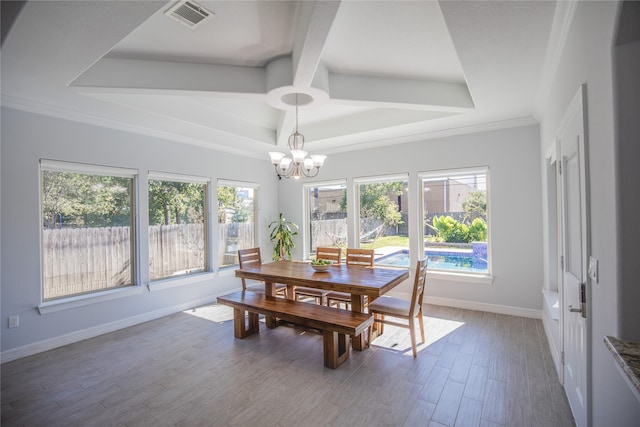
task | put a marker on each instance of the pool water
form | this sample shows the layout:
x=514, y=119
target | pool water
x=438, y=261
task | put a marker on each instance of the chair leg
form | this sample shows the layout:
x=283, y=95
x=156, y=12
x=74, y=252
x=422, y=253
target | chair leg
x=412, y=328
x=421, y=324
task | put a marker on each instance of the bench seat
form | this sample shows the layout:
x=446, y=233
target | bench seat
x=336, y=325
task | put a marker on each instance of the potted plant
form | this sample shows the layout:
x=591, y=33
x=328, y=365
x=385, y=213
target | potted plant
x=282, y=232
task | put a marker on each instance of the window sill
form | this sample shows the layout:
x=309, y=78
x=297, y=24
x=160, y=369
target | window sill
x=158, y=285
x=228, y=271
x=84, y=300
x=460, y=277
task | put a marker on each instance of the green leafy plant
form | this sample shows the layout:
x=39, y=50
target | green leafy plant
x=478, y=230
x=282, y=233
x=450, y=230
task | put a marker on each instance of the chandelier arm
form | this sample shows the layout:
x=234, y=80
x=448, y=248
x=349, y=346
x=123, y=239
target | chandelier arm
x=307, y=173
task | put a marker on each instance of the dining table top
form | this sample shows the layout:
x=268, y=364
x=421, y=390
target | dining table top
x=353, y=279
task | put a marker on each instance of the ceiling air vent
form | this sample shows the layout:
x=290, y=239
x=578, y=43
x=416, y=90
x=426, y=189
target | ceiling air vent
x=189, y=13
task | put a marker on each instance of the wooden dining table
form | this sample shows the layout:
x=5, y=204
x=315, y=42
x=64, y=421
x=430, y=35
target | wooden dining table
x=359, y=281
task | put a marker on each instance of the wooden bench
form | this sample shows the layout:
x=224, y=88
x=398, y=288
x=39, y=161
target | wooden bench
x=336, y=325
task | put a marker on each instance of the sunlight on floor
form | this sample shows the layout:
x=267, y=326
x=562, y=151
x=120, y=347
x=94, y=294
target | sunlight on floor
x=398, y=339
x=215, y=313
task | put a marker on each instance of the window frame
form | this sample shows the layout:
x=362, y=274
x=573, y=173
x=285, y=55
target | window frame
x=188, y=179
x=484, y=277
x=73, y=300
x=256, y=201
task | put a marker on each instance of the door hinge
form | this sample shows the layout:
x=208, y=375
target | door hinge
x=561, y=263
x=562, y=357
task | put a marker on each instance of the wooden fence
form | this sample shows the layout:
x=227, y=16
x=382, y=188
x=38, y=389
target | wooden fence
x=328, y=232
x=81, y=260
x=176, y=249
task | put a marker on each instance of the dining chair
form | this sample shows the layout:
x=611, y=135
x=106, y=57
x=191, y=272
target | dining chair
x=251, y=257
x=403, y=309
x=320, y=295
x=362, y=257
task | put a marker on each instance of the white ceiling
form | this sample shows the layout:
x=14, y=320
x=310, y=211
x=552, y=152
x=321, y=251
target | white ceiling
x=377, y=72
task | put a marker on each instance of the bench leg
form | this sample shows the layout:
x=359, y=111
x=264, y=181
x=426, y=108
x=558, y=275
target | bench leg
x=242, y=329
x=336, y=348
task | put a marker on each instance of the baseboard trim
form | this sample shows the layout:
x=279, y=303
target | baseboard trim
x=51, y=343
x=474, y=305
x=555, y=353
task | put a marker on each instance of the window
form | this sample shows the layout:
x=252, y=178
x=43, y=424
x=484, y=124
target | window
x=456, y=225
x=177, y=230
x=87, y=228
x=383, y=218
x=326, y=216
x=237, y=204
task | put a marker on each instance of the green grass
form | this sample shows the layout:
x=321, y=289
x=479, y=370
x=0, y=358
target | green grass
x=380, y=242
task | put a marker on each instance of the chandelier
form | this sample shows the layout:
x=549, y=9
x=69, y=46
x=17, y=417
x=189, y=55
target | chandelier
x=298, y=165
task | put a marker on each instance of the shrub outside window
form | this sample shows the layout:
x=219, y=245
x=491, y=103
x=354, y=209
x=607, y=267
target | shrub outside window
x=384, y=219
x=456, y=223
x=326, y=215
x=237, y=204
x=177, y=230
x=87, y=228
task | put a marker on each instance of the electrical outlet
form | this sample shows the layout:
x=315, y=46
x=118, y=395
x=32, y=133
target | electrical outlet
x=593, y=269
x=14, y=321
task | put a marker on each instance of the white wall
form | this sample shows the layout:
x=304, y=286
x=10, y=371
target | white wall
x=627, y=107
x=587, y=59
x=28, y=137
x=513, y=158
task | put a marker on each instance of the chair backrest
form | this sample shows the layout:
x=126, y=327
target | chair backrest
x=329, y=254
x=248, y=258
x=360, y=257
x=418, y=287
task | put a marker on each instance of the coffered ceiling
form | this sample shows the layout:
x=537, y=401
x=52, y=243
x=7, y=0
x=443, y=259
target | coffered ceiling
x=367, y=73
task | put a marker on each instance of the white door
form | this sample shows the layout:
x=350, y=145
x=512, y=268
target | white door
x=575, y=243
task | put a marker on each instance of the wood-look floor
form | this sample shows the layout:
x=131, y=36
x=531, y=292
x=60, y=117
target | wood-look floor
x=475, y=369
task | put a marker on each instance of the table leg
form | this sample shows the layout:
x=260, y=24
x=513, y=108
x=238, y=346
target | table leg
x=357, y=304
x=270, y=291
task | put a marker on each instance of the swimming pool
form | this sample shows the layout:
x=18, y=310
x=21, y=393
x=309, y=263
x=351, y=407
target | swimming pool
x=439, y=261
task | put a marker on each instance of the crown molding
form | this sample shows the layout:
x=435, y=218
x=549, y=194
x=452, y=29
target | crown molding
x=443, y=133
